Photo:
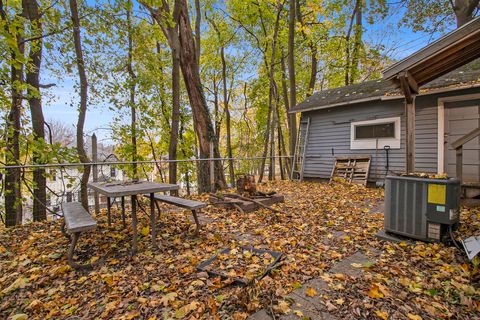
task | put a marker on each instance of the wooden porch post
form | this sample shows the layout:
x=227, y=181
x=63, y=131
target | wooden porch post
x=410, y=136
x=409, y=89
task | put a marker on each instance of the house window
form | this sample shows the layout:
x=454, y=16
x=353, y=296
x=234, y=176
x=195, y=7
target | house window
x=375, y=134
x=113, y=172
x=69, y=196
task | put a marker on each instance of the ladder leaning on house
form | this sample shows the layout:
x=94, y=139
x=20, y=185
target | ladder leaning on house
x=300, y=147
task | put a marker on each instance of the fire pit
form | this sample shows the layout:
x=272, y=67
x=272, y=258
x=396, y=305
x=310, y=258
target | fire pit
x=248, y=198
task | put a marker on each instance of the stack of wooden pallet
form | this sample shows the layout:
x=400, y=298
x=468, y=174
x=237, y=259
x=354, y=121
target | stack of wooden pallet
x=353, y=169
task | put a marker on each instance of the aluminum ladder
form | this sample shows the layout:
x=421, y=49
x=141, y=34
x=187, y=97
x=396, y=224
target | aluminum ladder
x=300, y=147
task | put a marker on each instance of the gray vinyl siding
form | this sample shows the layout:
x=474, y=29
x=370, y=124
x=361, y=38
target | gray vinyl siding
x=330, y=129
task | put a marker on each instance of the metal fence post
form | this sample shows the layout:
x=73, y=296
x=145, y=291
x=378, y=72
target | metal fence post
x=95, y=171
x=212, y=169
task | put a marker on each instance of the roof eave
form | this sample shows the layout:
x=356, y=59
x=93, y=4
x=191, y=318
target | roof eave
x=450, y=42
x=386, y=97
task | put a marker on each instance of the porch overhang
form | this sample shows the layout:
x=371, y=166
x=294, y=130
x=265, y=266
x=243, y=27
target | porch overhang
x=446, y=54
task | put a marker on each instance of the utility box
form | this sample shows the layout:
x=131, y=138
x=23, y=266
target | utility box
x=421, y=208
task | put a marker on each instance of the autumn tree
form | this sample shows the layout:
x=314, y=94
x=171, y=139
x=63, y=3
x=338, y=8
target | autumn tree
x=13, y=28
x=82, y=110
x=32, y=11
x=176, y=26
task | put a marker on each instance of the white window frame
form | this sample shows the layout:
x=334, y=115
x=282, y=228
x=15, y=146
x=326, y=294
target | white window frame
x=375, y=143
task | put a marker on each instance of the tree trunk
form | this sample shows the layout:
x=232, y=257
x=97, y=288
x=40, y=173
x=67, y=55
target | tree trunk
x=172, y=147
x=313, y=54
x=83, y=101
x=271, y=97
x=216, y=111
x=198, y=21
x=358, y=43
x=464, y=10
x=348, y=36
x=265, y=146
x=292, y=118
x=227, y=113
x=191, y=75
x=132, y=88
x=31, y=11
x=313, y=69
x=286, y=102
x=13, y=193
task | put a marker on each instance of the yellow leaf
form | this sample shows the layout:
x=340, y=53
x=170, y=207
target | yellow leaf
x=20, y=316
x=339, y=301
x=81, y=280
x=311, y=292
x=412, y=316
x=374, y=292
x=381, y=314
x=298, y=313
x=145, y=231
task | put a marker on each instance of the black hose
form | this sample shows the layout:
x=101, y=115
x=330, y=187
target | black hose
x=453, y=239
x=387, y=149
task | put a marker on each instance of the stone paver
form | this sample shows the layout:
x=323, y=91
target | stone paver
x=345, y=265
x=303, y=306
x=308, y=315
x=260, y=315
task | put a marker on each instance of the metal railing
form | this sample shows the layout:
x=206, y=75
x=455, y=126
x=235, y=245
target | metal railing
x=63, y=179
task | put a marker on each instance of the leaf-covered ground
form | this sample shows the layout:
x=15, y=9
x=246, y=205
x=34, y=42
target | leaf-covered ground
x=323, y=225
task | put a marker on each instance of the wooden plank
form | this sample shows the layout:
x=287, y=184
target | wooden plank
x=77, y=219
x=180, y=202
x=466, y=138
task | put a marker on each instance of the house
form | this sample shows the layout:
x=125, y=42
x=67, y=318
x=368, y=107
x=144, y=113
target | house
x=63, y=183
x=423, y=116
x=366, y=118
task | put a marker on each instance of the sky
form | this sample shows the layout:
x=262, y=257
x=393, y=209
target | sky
x=99, y=117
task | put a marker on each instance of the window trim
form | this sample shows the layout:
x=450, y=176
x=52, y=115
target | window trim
x=366, y=143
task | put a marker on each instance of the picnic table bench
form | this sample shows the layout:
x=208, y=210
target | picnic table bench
x=76, y=220
x=192, y=205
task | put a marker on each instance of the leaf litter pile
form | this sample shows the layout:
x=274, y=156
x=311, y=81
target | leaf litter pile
x=323, y=225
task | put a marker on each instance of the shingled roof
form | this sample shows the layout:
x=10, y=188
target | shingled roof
x=381, y=89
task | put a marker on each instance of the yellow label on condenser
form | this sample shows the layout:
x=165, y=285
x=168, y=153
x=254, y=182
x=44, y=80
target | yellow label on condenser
x=437, y=193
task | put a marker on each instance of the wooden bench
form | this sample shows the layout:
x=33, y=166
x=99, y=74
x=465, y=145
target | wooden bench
x=192, y=205
x=76, y=220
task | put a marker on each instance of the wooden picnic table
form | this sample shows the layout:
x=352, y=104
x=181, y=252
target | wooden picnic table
x=121, y=189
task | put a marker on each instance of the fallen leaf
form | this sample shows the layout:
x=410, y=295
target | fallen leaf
x=374, y=292
x=311, y=292
x=19, y=283
x=381, y=314
x=169, y=297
